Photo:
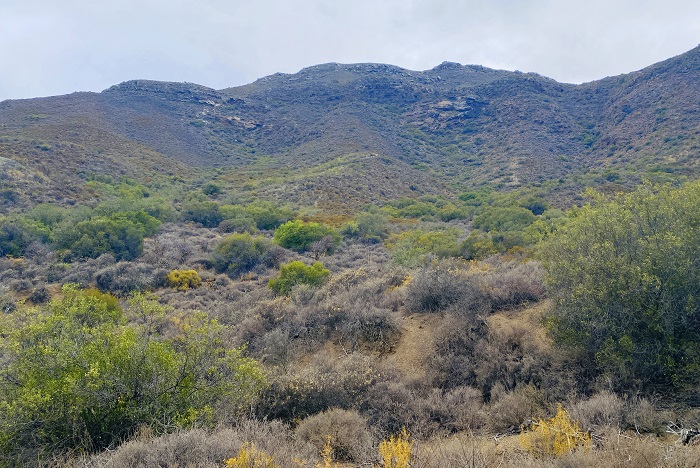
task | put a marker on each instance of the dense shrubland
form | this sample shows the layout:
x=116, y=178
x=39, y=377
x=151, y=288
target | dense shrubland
x=195, y=323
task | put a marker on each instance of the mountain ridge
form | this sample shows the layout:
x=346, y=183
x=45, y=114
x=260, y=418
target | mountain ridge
x=454, y=125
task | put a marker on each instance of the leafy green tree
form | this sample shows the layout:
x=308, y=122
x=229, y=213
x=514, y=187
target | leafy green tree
x=449, y=211
x=78, y=376
x=239, y=253
x=624, y=273
x=296, y=272
x=300, y=236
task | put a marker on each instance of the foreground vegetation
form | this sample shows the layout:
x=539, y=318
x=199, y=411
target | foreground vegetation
x=187, y=323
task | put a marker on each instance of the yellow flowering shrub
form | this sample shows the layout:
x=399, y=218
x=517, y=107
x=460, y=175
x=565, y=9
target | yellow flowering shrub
x=396, y=451
x=184, y=279
x=554, y=437
x=250, y=457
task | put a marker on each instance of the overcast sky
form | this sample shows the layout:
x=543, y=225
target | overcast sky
x=50, y=47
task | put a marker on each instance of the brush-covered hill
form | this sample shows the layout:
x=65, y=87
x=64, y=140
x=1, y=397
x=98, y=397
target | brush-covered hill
x=188, y=275
x=333, y=125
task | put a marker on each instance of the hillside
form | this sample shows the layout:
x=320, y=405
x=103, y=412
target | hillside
x=446, y=129
x=323, y=266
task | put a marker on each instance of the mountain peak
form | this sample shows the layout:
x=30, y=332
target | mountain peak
x=156, y=86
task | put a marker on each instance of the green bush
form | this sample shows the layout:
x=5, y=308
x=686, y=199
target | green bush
x=368, y=227
x=300, y=236
x=47, y=214
x=536, y=205
x=504, y=219
x=120, y=234
x=155, y=206
x=449, y=212
x=624, y=276
x=239, y=253
x=478, y=245
x=267, y=215
x=296, y=272
x=211, y=189
x=13, y=239
x=411, y=248
x=77, y=376
x=205, y=212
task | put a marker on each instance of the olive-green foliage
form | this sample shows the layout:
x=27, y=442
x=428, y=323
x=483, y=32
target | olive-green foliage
x=128, y=195
x=125, y=188
x=449, y=211
x=299, y=236
x=426, y=208
x=263, y=215
x=411, y=248
x=204, y=212
x=211, y=189
x=236, y=219
x=536, y=205
x=624, y=274
x=239, y=253
x=504, y=219
x=13, y=239
x=541, y=229
x=368, y=227
x=474, y=198
x=296, y=272
x=120, y=234
x=155, y=206
x=77, y=376
x=48, y=214
x=478, y=244
x=267, y=215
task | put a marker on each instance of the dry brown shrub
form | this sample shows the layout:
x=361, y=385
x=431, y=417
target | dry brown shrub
x=350, y=439
x=602, y=409
x=124, y=278
x=512, y=283
x=201, y=448
x=509, y=410
x=368, y=328
x=324, y=382
x=643, y=417
x=443, y=285
x=464, y=450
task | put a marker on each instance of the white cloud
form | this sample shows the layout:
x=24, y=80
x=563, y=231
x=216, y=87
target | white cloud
x=50, y=47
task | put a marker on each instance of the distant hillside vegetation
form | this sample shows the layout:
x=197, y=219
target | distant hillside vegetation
x=336, y=126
